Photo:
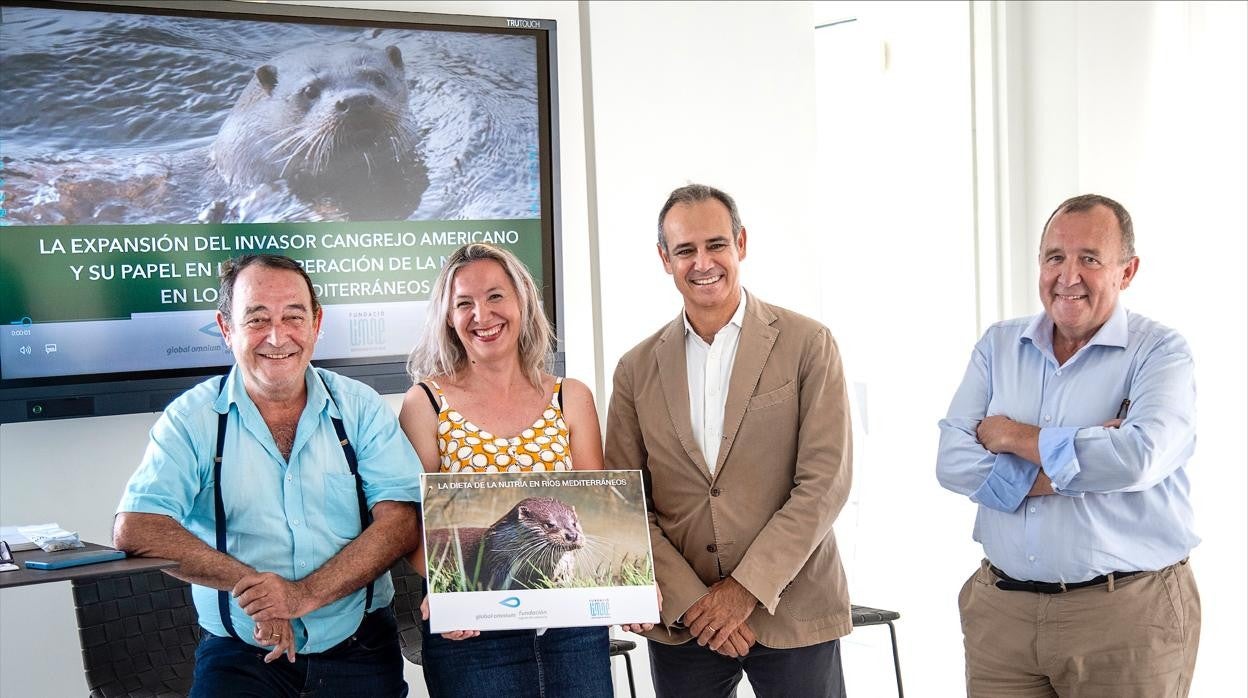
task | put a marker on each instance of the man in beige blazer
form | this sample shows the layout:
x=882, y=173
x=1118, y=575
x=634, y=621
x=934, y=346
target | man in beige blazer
x=736, y=412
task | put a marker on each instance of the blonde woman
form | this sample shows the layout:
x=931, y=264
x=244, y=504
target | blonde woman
x=480, y=367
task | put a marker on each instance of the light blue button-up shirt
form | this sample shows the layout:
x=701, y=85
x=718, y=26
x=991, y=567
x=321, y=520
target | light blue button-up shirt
x=284, y=517
x=1122, y=502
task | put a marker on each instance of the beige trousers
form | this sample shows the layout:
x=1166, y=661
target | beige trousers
x=1137, y=639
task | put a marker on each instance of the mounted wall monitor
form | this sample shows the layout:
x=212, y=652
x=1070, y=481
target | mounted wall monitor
x=144, y=143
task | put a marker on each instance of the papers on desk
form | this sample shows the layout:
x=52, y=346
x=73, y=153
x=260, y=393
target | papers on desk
x=51, y=537
x=17, y=542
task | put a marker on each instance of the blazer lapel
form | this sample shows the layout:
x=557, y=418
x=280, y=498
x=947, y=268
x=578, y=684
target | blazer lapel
x=674, y=377
x=757, y=339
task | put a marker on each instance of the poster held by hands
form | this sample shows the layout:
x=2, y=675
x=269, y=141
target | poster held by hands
x=506, y=551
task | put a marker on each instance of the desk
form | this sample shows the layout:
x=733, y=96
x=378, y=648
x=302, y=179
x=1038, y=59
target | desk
x=136, y=625
x=23, y=576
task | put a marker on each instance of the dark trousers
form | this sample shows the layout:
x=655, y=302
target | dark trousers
x=692, y=671
x=366, y=664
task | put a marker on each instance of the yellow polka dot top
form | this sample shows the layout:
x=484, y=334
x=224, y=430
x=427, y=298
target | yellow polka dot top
x=465, y=447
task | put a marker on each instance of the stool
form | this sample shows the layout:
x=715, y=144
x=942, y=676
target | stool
x=138, y=632
x=865, y=615
x=621, y=648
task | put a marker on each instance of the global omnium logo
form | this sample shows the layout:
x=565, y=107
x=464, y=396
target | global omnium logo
x=510, y=602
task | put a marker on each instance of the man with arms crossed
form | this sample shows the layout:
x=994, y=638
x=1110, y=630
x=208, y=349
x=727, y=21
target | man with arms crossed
x=283, y=542
x=736, y=412
x=1072, y=430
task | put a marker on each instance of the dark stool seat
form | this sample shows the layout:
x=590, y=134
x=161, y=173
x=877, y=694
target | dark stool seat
x=138, y=633
x=408, y=592
x=865, y=615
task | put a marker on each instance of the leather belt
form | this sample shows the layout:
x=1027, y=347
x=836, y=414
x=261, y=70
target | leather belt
x=1008, y=583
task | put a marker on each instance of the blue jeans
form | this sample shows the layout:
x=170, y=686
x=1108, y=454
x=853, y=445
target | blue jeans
x=560, y=663
x=366, y=664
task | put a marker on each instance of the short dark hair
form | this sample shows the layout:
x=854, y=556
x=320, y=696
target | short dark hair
x=231, y=268
x=697, y=193
x=1087, y=202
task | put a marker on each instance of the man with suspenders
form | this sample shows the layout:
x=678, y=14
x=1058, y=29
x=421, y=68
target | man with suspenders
x=284, y=492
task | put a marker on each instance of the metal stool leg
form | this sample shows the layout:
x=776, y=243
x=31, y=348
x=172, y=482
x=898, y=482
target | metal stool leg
x=628, y=667
x=892, y=633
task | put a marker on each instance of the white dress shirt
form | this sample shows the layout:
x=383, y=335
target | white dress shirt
x=710, y=368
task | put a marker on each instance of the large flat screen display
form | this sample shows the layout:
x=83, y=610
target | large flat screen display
x=142, y=144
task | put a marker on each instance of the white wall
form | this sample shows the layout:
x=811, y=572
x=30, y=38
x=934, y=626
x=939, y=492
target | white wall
x=898, y=285
x=1144, y=102
x=715, y=93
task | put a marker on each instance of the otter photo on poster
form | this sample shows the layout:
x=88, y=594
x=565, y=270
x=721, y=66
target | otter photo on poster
x=540, y=549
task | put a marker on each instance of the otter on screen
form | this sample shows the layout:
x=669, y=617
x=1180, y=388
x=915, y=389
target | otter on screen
x=334, y=123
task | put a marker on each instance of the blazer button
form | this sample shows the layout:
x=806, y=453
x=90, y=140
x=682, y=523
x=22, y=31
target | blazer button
x=714, y=491
x=710, y=548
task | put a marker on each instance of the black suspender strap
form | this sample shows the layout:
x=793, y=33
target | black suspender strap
x=223, y=597
x=353, y=463
x=365, y=518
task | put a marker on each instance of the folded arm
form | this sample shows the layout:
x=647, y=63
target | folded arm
x=158, y=535
x=1125, y=455
x=999, y=481
x=1156, y=437
x=160, y=496
x=393, y=532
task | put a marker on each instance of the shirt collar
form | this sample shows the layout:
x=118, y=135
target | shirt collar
x=738, y=318
x=1112, y=334
x=235, y=392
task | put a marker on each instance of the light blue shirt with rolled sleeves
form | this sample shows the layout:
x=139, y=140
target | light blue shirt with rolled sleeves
x=284, y=517
x=1123, y=494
